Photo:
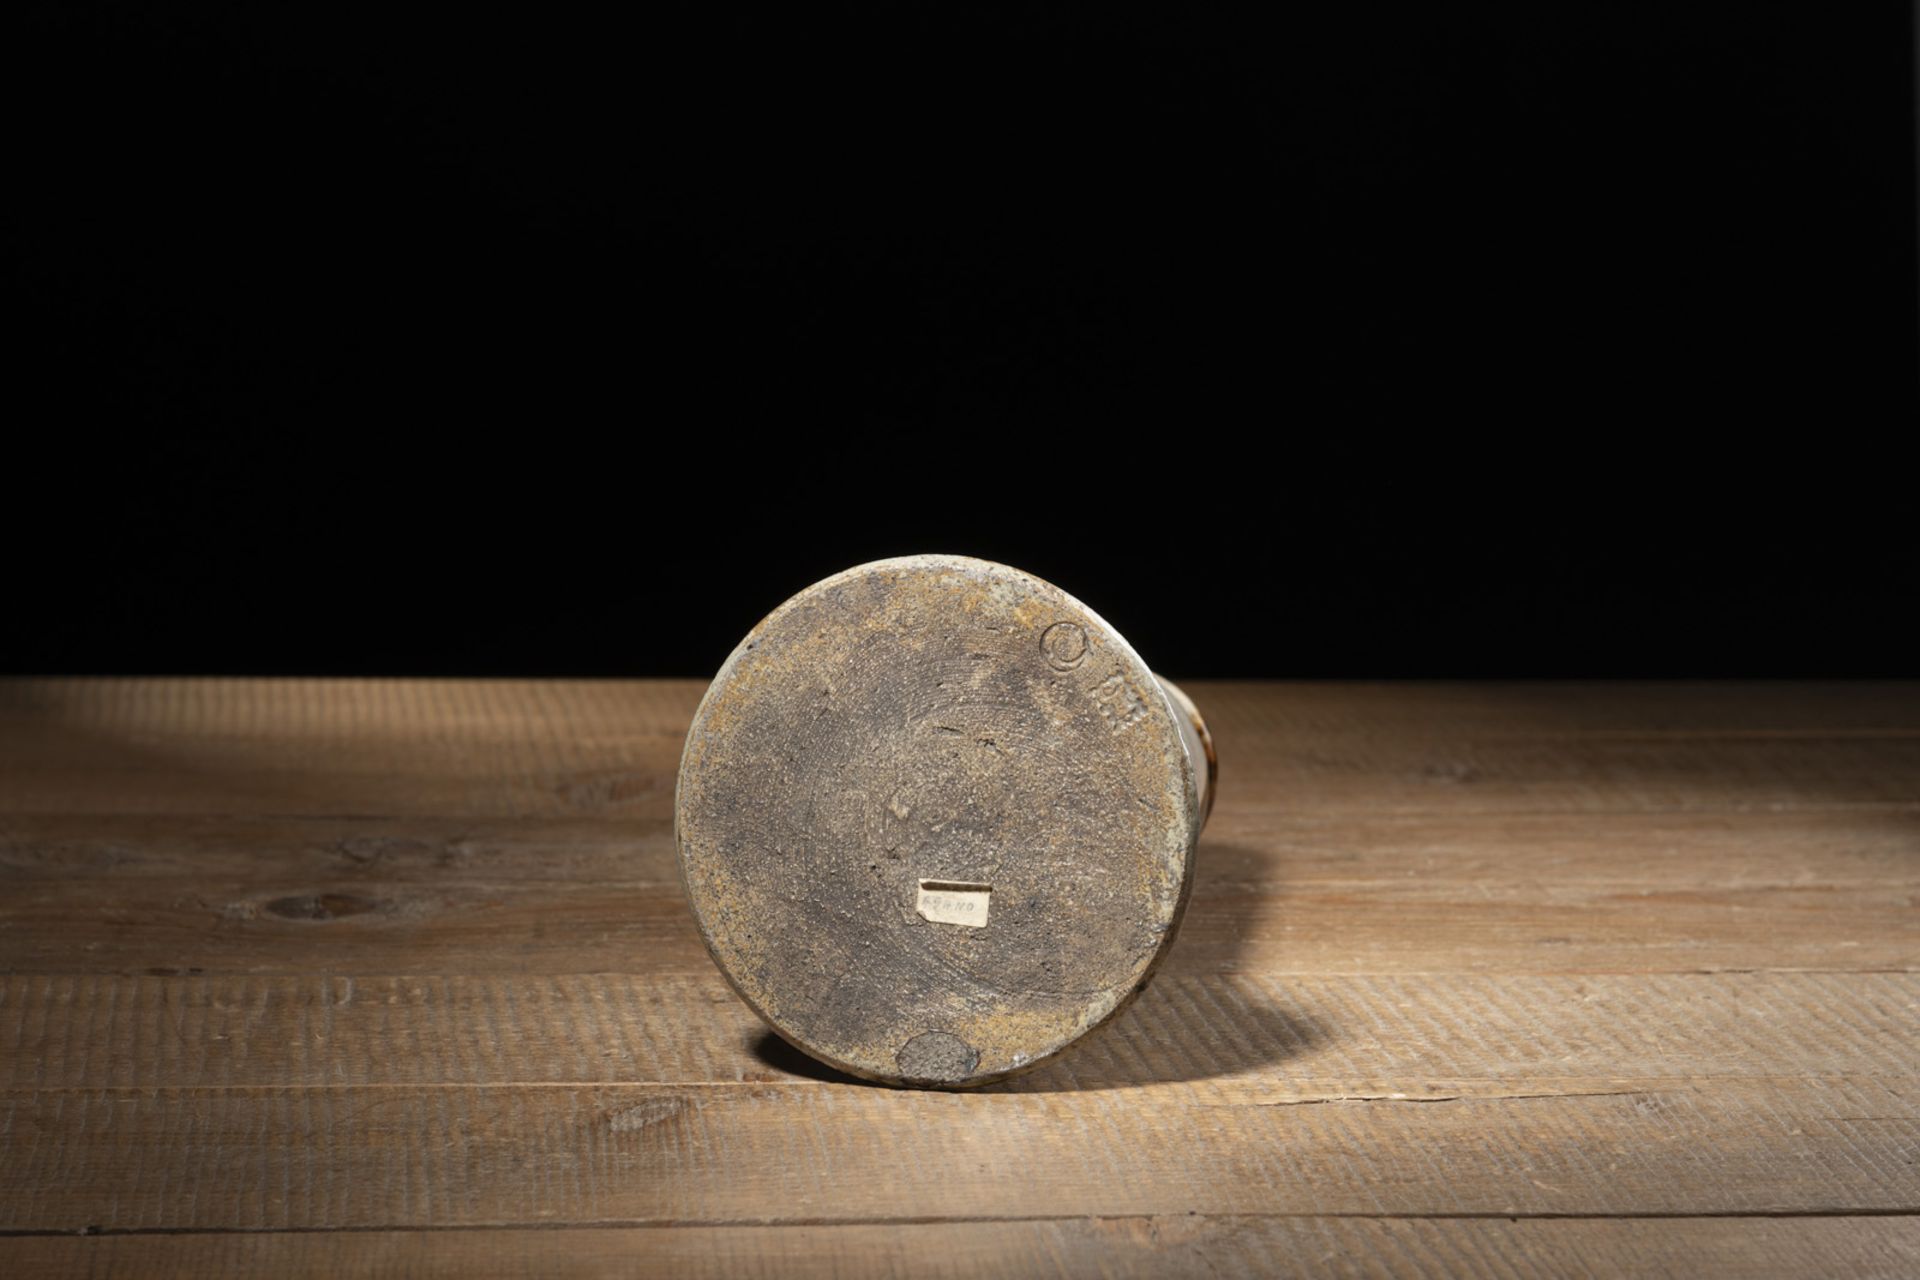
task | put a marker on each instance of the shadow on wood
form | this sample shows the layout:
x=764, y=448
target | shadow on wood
x=1176, y=1030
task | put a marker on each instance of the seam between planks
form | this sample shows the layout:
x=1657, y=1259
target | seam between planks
x=925, y=1220
x=1646, y=1084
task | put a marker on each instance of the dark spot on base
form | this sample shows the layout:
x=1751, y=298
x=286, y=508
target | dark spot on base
x=937, y=1057
x=320, y=906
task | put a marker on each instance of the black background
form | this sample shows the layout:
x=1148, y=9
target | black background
x=1391, y=340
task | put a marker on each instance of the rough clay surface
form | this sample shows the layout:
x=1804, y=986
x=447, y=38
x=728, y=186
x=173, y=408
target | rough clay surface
x=937, y=1057
x=935, y=718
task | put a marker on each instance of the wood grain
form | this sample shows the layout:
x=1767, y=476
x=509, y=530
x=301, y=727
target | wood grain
x=1867, y=1248
x=1229, y=1037
x=489, y=749
x=1876, y=1248
x=373, y=976
x=358, y=1156
x=1614, y=893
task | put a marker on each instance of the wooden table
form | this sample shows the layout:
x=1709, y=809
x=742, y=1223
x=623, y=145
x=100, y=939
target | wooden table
x=311, y=977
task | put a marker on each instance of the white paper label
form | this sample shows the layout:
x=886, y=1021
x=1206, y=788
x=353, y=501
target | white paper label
x=951, y=902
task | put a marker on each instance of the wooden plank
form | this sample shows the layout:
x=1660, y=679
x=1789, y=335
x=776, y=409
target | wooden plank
x=1400, y=775
x=1147, y=1247
x=1247, y=846
x=368, y=926
x=1636, y=708
x=142, y=849
x=357, y=709
x=1228, y=1038
x=341, y=747
x=405, y=1156
x=1453, y=950
x=1622, y=893
x=478, y=749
